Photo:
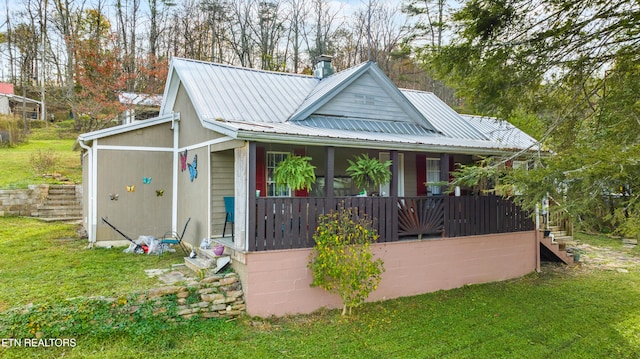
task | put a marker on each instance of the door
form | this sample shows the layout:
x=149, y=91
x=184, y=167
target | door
x=384, y=189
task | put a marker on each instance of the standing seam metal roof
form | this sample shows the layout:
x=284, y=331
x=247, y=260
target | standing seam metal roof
x=262, y=101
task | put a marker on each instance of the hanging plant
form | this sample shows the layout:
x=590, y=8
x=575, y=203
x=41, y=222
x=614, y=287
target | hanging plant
x=296, y=172
x=369, y=172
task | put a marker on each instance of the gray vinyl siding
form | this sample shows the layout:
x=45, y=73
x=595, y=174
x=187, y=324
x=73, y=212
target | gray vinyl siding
x=222, y=185
x=140, y=211
x=364, y=98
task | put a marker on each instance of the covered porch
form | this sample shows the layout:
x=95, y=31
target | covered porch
x=405, y=209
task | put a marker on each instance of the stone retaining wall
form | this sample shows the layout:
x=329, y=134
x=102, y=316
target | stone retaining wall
x=216, y=296
x=22, y=202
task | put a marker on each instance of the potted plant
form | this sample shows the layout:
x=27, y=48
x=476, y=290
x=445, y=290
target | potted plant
x=368, y=172
x=576, y=252
x=296, y=172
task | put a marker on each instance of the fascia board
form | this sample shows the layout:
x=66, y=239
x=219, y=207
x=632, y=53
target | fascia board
x=116, y=130
x=355, y=143
x=170, y=90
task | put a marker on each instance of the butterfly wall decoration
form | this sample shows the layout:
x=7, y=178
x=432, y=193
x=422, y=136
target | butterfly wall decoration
x=193, y=168
x=146, y=180
x=183, y=161
x=114, y=196
x=131, y=188
x=159, y=192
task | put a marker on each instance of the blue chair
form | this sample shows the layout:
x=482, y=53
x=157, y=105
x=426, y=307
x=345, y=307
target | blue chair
x=229, y=204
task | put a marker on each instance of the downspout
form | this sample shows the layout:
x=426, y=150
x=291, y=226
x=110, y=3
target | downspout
x=175, y=126
x=91, y=190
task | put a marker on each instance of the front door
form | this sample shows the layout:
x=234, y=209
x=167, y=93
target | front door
x=384, y=189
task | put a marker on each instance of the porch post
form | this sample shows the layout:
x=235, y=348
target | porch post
x=392, y=208
x=251, y=213
x=393, y=185
x=329, y=170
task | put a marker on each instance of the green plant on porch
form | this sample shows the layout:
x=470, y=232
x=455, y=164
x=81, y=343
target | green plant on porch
x=369, y=172
x=296, y=172
x=342, y=262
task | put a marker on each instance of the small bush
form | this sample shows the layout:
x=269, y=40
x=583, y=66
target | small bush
x=342, y=261
x=11, y=131
x=44, y=162
x=37, y=124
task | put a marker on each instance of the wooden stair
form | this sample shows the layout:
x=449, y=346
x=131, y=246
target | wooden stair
x=558, y=246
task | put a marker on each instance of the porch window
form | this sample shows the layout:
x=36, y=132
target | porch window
x=521, y=164
x=273, y=190
x=433, y=176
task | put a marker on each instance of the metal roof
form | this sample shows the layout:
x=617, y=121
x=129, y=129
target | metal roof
x=443, y=117
x=357, y=124
x=259, y=105
x=500, y=131
x=292, y=132
x=133, y=98
x=240, y=94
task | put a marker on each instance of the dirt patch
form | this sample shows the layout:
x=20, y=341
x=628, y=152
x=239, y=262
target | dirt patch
x=599, y=258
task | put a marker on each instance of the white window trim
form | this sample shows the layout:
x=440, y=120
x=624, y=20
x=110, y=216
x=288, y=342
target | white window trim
x=432, y=189
x=270, y=180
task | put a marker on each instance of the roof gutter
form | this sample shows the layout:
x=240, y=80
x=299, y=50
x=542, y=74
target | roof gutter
x=355, y=143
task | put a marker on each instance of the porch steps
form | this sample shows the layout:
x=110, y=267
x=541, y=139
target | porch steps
x=558, y=247
x=61, y=204
x=207, y=260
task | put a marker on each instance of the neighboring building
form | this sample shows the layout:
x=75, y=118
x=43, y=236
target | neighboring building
x=221, y=131
x=139, y=106
x=11, y=104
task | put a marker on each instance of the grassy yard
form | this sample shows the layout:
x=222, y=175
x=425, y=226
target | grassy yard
x=564, y=312
x=16, y=164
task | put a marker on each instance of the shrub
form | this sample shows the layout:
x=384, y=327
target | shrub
x=342, y=262
x=11, y=131
x=44, y=162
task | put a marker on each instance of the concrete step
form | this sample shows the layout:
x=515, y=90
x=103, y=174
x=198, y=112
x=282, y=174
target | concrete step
x=62, y=190
x=62, y=202
x=202, y=262
x=58, y=212
x=197, y=264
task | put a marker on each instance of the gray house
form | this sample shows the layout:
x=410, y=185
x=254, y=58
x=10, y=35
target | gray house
x=223, y=129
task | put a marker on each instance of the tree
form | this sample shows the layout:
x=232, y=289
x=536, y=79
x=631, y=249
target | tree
x=66, y=24
x=268, y=34
x=566, y=65
x=342, y=262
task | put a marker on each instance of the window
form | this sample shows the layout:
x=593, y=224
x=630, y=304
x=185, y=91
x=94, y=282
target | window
x=521, y=164
x=273, y=190
x=433, y=176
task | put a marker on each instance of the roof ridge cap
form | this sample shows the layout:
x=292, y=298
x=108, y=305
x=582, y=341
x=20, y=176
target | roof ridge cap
x=236, y=67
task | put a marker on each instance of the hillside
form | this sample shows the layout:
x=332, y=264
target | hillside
x=47, y=156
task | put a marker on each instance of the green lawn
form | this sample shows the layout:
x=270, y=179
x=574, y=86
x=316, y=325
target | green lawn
x=569, y=313
x=16, y=170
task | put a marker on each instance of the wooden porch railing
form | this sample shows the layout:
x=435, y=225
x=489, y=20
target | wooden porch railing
x=286, y=223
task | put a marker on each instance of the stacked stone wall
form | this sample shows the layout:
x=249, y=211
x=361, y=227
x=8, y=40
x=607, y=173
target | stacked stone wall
x=22, y=202
x=214, y=296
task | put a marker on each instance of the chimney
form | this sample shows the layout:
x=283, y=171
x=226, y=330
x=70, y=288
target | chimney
x=323, y=67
